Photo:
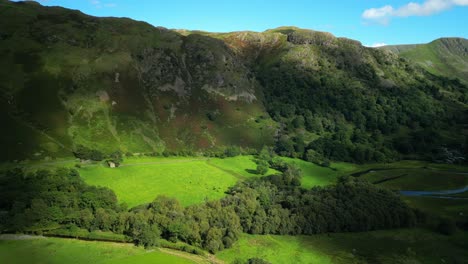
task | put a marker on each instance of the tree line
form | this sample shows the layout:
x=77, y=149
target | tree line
x=46, y=200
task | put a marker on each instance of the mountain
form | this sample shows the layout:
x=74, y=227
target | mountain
x=444, y=56
x=70, y=81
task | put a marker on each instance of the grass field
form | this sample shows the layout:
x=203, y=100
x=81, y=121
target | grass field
x=456, y=209
x=70, y=251
x=418, y=179
x=314, y=175
x=189, y=180
x=420, y=176
x=194, y=179
x=241, y=166
x=390, y=246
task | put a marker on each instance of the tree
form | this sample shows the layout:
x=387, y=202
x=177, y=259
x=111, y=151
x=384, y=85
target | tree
x=284, y=146
x=292, y=175
x=232, y=151
x=265, y=154
x=116, y=157
x=214, y=240
x=86, y=217
x=85, y=153
x=149, y=236
x=298, y=122
x=262, y=167
x=312, y=156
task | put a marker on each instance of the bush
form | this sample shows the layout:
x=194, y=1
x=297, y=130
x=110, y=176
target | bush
x=85, y=153
x=257, y=261
x=116, y=157
x=262, y=167
x=232, y=151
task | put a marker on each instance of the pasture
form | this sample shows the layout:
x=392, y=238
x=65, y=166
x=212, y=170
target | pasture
x=70, y=251
x=240, y=166
x=420, y=176
x=315, y=175
x=417, y=179
x=387, y=246
x=189, y=180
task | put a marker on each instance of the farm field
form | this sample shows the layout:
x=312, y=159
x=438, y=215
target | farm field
x=315, y=175
x=456, y=209
x=191, y=181
x=417, y=179
x=389, y=246
x=194, y=179
x=70, y=251
x=425, y=177
x=240, y=166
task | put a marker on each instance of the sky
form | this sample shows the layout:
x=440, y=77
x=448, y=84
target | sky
x=373, y=22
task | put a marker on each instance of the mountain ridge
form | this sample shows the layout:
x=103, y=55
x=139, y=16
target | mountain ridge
x=443, y=56
x=74, y=80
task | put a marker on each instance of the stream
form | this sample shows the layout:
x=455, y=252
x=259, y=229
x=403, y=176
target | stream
x=437, y=194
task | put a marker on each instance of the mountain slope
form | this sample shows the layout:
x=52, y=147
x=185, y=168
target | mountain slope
x=106, y=83
x=109, y=84
x=444, y=56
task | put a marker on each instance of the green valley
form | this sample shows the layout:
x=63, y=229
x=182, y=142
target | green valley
x=127, y=142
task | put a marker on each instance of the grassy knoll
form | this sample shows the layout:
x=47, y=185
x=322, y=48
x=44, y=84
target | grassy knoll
x=59, y=250
x=392, y=246
x=190, y=181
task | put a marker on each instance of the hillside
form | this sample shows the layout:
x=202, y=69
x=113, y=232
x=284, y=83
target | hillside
x=72, y=80
x=445, y=56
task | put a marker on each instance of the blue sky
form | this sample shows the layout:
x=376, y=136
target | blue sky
x=369, y=21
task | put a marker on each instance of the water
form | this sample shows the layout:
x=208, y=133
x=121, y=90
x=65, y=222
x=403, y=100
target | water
x=437, y=194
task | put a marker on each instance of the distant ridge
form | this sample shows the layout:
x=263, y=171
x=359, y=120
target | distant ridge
x=444, y=56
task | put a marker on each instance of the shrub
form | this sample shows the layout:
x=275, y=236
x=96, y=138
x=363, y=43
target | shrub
x=262, y=167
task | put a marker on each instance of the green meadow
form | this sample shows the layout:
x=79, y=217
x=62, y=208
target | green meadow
x=423, y=176
x=70, y=251
x=240, y=166
x=418, y=179
x=387, y=246
x=195, y=179
x=315, y=175
x=191, y=181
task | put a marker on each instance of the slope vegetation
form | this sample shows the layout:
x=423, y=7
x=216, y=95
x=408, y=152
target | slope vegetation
x=71, y=80
x=444, y=56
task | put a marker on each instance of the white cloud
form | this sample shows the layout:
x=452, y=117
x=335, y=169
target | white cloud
x=99, y=4
x=375, y=13
x=376, y=45
x=383, y=14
